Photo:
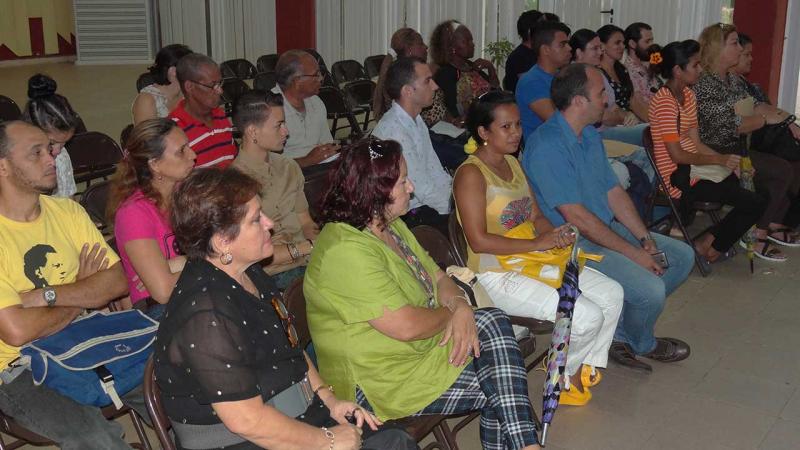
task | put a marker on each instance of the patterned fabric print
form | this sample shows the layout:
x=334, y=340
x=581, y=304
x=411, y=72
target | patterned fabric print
x=496, y=384
x=436, y=112
x=559, y=344
x=717, y=118
x=516, y=212
x=469, y=86
x=416, y=266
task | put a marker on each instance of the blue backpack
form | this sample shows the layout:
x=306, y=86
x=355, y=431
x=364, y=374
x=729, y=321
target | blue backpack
x=97, y=358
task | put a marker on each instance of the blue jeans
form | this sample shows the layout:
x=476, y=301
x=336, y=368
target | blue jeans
x=645, y=292
x=46, y=412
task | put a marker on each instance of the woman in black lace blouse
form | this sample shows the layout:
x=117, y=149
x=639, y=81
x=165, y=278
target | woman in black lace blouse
x=613, y=39
x=724, y=123
x=227, y=362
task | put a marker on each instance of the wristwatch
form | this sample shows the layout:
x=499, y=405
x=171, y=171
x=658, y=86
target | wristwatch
x=49, y=294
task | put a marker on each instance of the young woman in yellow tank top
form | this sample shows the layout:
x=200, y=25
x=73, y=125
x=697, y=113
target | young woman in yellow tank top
x=492, y=196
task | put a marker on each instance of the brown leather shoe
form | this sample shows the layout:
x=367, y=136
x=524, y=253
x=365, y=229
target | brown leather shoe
x=622, y=354
x=669, y=350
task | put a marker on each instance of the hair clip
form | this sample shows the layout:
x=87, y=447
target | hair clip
x=656, y=58
x=372, y=153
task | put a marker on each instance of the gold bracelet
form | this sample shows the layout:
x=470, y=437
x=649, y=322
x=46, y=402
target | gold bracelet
x=323, y=386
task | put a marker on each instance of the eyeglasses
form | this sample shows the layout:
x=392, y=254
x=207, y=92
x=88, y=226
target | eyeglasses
x=317, y=74
x=286, y=320
x=216, y=85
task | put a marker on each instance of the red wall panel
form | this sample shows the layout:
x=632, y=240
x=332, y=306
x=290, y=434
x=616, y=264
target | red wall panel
x=295, y=24
x=764, y=21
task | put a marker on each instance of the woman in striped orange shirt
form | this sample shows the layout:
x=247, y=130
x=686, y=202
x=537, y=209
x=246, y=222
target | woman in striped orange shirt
x=673, y=122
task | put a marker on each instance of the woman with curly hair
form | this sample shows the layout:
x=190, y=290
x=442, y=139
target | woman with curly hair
x=460, y=78
x=157, y=158
x=392, y=331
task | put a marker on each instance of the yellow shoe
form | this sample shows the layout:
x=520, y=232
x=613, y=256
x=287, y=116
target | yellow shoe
x=574, y=397
x=590, y=376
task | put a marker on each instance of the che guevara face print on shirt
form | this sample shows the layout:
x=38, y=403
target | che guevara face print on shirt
x=43, y=266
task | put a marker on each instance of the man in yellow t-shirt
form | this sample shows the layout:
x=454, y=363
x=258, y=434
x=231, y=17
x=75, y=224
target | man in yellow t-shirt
x=53, y=265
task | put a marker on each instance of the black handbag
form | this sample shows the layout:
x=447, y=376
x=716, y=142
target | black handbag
x=777, y=139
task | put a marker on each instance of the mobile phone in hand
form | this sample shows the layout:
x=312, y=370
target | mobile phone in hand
x=661, y=259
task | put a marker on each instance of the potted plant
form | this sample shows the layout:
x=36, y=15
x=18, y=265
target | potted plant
x=499, y=51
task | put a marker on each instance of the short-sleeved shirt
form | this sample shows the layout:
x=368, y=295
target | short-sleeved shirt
x=623, y=90
x=663, y=116
x=307, y=129
x=65, y=177
x=508, y=204
x=519, y=61
x=566, y=169
x=533, y=86
x=43, y=252
x=214, y=146
x=432, y=185
x=219, y=343
x=460, y=87
x=351, y=278
x=138, y=217
x=644, y=83
x=716, y=114
x=282, y=197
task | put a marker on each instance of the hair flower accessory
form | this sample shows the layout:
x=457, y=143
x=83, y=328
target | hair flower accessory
x=656, y=58
x=471, y=146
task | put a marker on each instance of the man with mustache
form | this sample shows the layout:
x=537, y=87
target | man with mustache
x=41, y=294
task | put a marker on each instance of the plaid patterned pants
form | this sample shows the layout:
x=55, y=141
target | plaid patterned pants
x=495, y=384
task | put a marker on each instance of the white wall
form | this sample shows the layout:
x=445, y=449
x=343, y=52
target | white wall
x=672, y=20
x=355, y=29
x=232, y=28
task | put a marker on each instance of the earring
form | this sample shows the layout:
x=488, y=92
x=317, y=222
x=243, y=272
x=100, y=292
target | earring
x=485, y=143
x=225, y=258
x=255, y=141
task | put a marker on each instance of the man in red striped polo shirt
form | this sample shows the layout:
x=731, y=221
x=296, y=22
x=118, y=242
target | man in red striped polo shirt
x=199, y=115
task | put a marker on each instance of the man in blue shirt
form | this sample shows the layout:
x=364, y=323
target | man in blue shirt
x=551, y=42
x=566, y=164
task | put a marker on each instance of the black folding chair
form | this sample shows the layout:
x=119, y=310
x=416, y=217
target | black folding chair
x=267, y=63
x=372, y=65
x=265, y=81
x=94, y=200
x=661, y=197
x=94, y=155
x=347, y=71
x=359, y=96
x=232, y=89
x=238, y=68
x=337, y=109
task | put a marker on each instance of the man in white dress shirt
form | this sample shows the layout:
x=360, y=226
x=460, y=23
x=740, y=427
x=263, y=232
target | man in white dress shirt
x=409, y=83
x=299, y=79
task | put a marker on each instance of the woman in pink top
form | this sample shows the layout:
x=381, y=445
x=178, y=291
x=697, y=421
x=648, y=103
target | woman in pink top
x=157, y=157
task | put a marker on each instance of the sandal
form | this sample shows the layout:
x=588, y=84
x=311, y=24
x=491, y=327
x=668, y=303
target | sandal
x=574, y=397
x=787, y=238
x=766, y=253
x=590, y=376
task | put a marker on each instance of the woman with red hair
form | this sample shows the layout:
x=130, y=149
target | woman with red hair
x=392, y=331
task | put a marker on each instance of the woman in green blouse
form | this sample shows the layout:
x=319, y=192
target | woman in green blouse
x=391, y=330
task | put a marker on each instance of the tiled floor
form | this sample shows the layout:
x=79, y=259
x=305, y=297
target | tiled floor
x=738, y=390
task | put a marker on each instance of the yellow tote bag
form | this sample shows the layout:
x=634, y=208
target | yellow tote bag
x=546, y=266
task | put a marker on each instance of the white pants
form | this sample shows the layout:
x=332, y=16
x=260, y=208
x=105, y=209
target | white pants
x=593, y=323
